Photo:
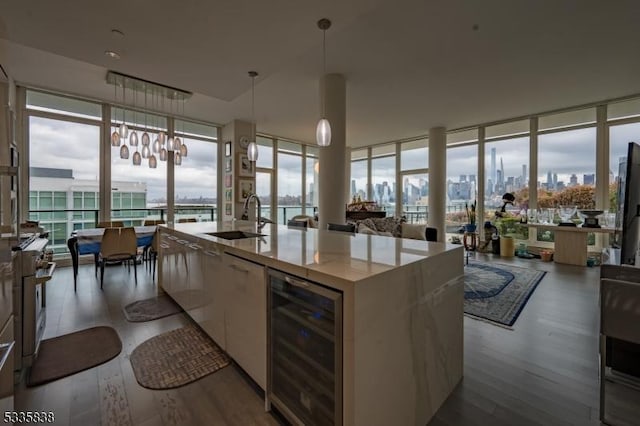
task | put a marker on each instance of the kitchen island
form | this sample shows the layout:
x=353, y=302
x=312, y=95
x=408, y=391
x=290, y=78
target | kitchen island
x=399, y=342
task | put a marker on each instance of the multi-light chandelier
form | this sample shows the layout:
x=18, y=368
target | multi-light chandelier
x=162, y=143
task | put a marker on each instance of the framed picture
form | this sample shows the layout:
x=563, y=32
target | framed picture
x=227, y=195
x=246, y=168
x=227, y=149
x=227, y=165
x=227, y=209
x=245, y=189
x=228, y=179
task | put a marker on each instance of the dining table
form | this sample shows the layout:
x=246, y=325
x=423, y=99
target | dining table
x=88, y=241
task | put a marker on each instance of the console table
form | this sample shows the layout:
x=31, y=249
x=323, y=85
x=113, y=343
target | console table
x=570, y=242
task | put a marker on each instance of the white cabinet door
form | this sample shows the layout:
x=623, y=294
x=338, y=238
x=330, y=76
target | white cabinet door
x=216, y=282
x=246, y=317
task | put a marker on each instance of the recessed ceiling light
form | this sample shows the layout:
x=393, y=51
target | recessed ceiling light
x=112, y=54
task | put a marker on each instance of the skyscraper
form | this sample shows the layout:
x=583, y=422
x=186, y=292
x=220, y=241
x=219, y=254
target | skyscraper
x=524, y=174
x=501, y=180
x=493, y=176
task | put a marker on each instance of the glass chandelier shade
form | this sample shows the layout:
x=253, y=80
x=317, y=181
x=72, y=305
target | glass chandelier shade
x=323, y=132
x=163, y=154
x=162, y=137
x=124, y=131
x=177, y=159
x=183, y=150
x=177, y=143
x=146, y=152
x=170, y=144
x=252, y=151
x=115, y=138
x=133, y=138
x=124, y=152
x=153, y=163
x=156, y=146
x=137, y=159
x=146, y=140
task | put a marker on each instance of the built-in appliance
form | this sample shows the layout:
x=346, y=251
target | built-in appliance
x=305, y=350
x=29, y=298
x=7, y=343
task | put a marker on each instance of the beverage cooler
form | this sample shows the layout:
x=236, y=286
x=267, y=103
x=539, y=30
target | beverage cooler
x=305, y=350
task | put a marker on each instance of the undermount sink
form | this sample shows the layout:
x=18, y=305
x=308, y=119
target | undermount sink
x=234, y=235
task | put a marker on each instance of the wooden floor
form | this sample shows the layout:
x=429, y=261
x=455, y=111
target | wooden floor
x=543, y=372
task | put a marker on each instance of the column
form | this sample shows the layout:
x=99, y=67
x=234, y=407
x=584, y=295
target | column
x=333, y=190
x=438, y=180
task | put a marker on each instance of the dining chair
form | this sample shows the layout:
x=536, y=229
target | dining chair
x=187, y=220
x=152, y=255
x=105, y=224
x=118, y=244
x=110, y=224
x=150, y=222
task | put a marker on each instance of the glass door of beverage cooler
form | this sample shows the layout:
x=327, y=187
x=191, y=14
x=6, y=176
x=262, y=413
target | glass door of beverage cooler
x=305, y=350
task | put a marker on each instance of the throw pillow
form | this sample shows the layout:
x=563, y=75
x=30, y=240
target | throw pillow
x=388, y=224
x=414, y=231
x=364, y=229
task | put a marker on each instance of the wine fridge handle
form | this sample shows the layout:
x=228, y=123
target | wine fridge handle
x=297, y=283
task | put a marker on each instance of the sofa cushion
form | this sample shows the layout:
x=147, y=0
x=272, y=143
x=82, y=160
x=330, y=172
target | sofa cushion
x=364, y=229
x=414, y=231
x=391, y=224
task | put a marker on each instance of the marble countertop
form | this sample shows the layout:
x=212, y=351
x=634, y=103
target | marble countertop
x=313, y=252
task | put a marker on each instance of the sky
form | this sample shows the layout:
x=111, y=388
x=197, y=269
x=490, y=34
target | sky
x=67, y=145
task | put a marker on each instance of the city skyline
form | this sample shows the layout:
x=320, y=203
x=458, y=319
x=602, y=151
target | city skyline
x=566, y=153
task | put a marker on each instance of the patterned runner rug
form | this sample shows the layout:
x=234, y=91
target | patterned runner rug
x=498, y=293
x=151, y=309
x=176, y=358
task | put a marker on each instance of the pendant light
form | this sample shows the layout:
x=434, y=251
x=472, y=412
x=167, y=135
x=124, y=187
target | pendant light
x=323, y=130
x=177, y=158
x=252, y=149
x=153, y=163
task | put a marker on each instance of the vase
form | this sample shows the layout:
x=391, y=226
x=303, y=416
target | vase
x=470, y=227
x=507, y=246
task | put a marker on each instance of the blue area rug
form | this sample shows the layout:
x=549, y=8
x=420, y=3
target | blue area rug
x=498, y=293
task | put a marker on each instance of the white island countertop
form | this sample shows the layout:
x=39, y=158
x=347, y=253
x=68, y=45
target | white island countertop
x=401, y=309
x=316, y=254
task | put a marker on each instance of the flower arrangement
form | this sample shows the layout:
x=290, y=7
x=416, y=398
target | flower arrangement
x=471, y=213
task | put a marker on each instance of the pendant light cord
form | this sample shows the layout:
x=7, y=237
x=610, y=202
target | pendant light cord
x=324, y=68
x=253, y=104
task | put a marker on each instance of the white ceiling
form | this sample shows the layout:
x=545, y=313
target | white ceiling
x=409, y=64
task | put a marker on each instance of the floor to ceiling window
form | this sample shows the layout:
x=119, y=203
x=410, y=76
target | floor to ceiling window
x=414, y=176
x=289, y=181
x=312, y=168
x=462, y=173
x=64, y=164
x=383, y=177
x=359, y=178
x=264, y=176
x=506, y=166
x=196, y=178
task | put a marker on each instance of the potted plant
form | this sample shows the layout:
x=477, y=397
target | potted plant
x=471, y=217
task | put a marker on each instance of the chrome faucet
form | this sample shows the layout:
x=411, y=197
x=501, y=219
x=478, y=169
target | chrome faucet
x=245, y=214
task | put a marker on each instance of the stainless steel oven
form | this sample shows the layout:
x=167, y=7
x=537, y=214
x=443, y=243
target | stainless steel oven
x=32, y=272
